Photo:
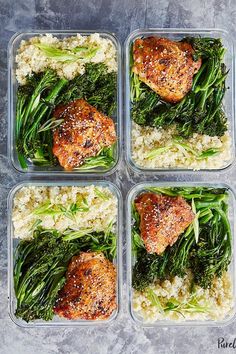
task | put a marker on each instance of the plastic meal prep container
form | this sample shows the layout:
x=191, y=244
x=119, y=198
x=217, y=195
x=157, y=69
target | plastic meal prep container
x=13, y=242
x=12, y=93
x=135, y=191
x=228, y=102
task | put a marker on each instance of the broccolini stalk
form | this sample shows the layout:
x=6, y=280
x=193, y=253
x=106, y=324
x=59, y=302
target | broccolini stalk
x=42, y=109
x=28, y=97
x=35, y=102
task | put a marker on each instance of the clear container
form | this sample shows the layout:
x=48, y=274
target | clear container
x=228, y=102
x=12, y=244
x=12, y=91
x=136, y=190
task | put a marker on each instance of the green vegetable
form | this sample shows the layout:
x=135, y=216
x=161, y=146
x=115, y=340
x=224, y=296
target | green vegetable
x=193, y=305
x=41, y=265
x=157, y=151
x=208, y=153
x=148, y=268
x=68, y=55
x=213, y=254
x=205, y=47
x=145, y=102
x=179, y=142
x=58, y=209
x=137, y=242
x=96, y=86
x=56, y=53
x=182, y=146
x=201, y=110
x=154, y=299
x=103, y=159
x=35, y=102
x=100, y=194
x=51, y=124
x=195, y=222
x=205, y=246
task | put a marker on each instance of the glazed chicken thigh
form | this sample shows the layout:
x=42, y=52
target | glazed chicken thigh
x=162, y=220
x=83, y=133
x=166, y=66
x=90, y=289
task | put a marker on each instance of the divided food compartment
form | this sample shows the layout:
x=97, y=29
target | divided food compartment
x=228, y=102
x=133, y=193
x=12, y=93
x=12, y=244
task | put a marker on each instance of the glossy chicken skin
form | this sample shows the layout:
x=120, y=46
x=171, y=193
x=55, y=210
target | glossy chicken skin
x=166, y=66
x=90, y=289
x=162, y=220
x=84, y=132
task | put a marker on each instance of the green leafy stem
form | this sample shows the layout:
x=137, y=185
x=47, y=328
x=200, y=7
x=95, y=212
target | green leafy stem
x=182, y=146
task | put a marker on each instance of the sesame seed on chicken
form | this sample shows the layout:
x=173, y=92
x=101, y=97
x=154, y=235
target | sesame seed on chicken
x=166, y=66
x=90, y=289
x=163, y=219
x=83, y=133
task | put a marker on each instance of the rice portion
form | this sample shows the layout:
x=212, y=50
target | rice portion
x=217, y=301
x=146, y=139
x=30, y=59
x=101, y=205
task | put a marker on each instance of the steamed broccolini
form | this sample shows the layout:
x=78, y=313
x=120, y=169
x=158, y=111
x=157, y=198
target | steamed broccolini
x=96, y=86
x=35, y=103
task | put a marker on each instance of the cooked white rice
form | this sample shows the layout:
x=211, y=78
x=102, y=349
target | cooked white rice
x=218, y=300
x=31, y=59
x=101, y=214
x=145, y=139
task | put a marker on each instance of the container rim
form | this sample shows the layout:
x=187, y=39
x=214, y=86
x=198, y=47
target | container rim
x=119, y=262
x=178, y=30
x=168, y=323
x=11, y=117
x=127, y=134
